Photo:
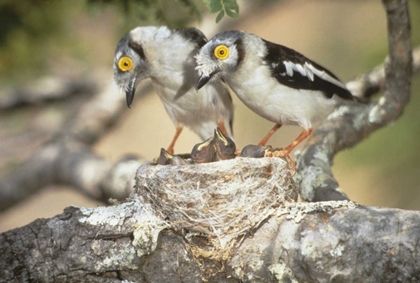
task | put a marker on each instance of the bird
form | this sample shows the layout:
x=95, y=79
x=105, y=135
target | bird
x=256, y=151
x=276, y=82
x=217, y=148
x=224, y=146
x=204, y=152
x=164, y=157
x=166, y=56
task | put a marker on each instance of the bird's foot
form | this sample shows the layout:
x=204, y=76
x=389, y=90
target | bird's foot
x=285, y=154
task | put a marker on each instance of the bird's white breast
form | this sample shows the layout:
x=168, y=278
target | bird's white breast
x=172, y=71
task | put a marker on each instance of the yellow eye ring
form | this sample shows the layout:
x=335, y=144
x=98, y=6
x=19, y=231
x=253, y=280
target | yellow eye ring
x=125, y=64
x=221, y=52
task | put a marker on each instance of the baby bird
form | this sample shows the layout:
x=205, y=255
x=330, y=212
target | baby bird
x=274, y=81
x=166, y=56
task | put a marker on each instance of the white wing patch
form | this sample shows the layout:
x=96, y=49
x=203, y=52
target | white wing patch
x=289, y=68
x=325, y=76
x=307, y=70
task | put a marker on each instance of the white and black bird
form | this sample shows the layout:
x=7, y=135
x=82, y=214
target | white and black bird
x=166, y=56
x=274, y=81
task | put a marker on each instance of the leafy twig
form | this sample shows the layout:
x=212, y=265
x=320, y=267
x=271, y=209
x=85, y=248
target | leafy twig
x=228, y=7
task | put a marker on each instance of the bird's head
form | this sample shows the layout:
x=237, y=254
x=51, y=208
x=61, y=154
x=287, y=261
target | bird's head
x=220, y=56
x=130, y=63
x=225, y=147
x=203, y=152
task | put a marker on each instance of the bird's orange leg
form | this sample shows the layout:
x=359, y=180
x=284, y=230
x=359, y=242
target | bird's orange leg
x=303, y=135
x=270, y=133
x=172, y=145
x=285, y=152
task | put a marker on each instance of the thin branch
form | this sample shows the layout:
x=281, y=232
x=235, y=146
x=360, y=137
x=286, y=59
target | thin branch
x=72, y=163
x=44, y=89
x=352, y=123
x=373, y=81
x=68, y=159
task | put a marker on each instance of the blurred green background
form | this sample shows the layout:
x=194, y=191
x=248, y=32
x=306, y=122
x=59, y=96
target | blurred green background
x=76, y=39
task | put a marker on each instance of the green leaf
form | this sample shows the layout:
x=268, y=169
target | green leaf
x=231, y=8
x=214, y=6
x=223, y=7
x=229, y=2
x=220, y=16
x=233, y=13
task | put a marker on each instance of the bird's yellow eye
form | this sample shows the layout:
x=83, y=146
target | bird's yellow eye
x=221, y=52
x=125, y=64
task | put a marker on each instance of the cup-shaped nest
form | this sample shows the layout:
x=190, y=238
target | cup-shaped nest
x=221, y=201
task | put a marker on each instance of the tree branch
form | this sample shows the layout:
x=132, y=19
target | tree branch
x=44, y=89
x=68, y=159
x=372, y=82
x=69, y=162
x=305, y=242
x=352, y=123
x=291, y=242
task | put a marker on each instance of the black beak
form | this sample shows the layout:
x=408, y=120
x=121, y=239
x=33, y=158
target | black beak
x=202, y=80
x=129, y=95
x=129, y=92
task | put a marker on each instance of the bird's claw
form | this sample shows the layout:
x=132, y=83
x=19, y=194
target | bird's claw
x=286, y=155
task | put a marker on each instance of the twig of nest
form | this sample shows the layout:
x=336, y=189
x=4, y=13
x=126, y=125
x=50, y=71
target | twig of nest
x=219, y=201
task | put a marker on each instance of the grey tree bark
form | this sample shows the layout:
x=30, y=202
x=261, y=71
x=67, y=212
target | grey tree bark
x=334, y=241
x=321, y=241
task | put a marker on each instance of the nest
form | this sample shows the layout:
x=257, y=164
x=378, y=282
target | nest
x=220, y=201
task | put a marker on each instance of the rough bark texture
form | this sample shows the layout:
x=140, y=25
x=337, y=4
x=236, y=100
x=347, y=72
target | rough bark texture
x=305, y=242
x=365, y=244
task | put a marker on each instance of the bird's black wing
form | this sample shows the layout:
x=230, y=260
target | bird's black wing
x=194, y=35
x=294, y=70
